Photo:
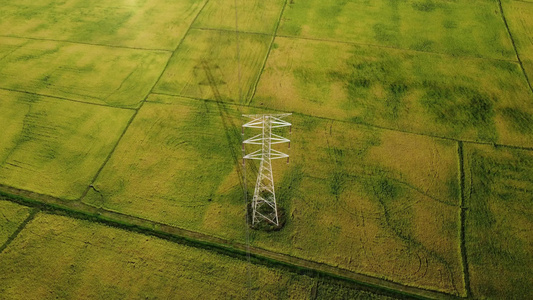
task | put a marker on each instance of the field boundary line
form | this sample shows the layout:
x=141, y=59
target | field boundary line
x=93, y=180
x=65, y=99
x=256, y=82
x=396, y=48
x=525, y=148
x=21, y=227
x=514, y=45
x=83, y=43
x=463, y=208
x=82, y=211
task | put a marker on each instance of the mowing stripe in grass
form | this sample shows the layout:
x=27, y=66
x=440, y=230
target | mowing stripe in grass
x=514, y=45
x=64, y=99
x=82, y=43
x=90, y=186
x=358, y=123
x=297, y=265
x=256, y=83
x=32, y=214
x=460, y=155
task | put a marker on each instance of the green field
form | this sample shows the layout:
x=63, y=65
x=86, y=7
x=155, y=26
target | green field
x=499, y=221
x=94, y=74
x=254, y=16
x=54, y=146
x=398, y=89
x=11, y=217
x=411, y=166
x=100, y=262
x=348, y=175
x=206, y=66
x=147, y=24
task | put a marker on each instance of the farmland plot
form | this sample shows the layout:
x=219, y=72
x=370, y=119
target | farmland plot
x=53, y=146
x=254, y=16
x=171, y=166
x=11, y=216
x=58, y=257
x=471, y=99
x=94, y=74
x=151, y=24
x=499, y=236
x=349, y=202
x=472, y=28
x=520, y=18
x=206, y=66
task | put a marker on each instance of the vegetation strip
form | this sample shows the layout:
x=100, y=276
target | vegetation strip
x=514, y=45
x=137, y=110
x=254, y=87
x=82, y=43
x=460, y=155
x=19, y=229
x=360, y=123
x=63, y=98
x=394, y=48
x=229, y=30
x=81, y=211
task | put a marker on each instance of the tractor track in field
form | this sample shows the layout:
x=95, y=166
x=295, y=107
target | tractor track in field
x=79, y=210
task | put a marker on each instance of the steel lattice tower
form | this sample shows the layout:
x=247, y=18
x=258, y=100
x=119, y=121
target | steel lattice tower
x=264, y=205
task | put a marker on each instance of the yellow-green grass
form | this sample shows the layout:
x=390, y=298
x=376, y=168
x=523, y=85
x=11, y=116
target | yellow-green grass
x=254, y=16
x=56, y=257
x=95, y=74
x=471, y=99
x=151, y=24
x=348, y=200
x=206, y=66
x=519, y=16
x=53, y=146
x=473, y=28
x=171, y=166
x=499, y=222
x=335, y=291
x=11, y=216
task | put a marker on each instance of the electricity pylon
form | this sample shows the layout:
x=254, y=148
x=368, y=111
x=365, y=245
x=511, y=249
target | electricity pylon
x=264, y=205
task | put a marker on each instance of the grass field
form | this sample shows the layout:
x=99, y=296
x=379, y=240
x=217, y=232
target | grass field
x=11, y=216
x=148, y=24
x=94, y=74
x=499, y=222
x=53, y=146
x=100, y=262
x=373, y=207
x=411, y=157
x=520, y=16
x=254, y=16
x=472, y=28
x=416, y=92
x=206, y=66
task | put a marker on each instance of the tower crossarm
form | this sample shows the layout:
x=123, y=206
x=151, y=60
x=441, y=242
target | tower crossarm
x=257, y=140
x=275, y=154
x=258, y=154
x=276, y=139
